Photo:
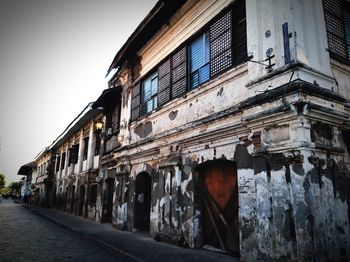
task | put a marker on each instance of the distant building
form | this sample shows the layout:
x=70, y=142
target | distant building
x=27, y=171
x=77, y=152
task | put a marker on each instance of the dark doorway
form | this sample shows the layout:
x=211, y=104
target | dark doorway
x=108, y=201
x=81, y=200
x=220, y=222
x=72, y=199
x=142, y=206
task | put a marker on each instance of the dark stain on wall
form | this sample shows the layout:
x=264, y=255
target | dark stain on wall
x=243, y=159
x=144, y=130
x=173, y=114
x=321, y=131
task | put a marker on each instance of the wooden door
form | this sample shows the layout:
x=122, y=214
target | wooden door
x=220, y=206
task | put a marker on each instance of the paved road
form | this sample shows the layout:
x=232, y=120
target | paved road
x=133, y=247
x=26, y=236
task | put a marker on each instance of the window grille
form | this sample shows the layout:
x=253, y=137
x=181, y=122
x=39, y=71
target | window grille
x=221, y=45
x=337, y=19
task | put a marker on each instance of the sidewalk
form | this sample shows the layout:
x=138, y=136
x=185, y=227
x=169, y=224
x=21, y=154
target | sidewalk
x=129, y=246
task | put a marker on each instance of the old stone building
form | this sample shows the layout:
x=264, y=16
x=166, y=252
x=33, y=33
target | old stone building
x=77, y=152
x=28, y=171
x=44, y=193
x=234, y=127
x=225, y=125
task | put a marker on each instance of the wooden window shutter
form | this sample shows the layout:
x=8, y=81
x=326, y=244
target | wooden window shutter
x=221, y=44
x=334, y=18
x=164, y=83
x=239, y=33
x=135, y=102
x=179, y=73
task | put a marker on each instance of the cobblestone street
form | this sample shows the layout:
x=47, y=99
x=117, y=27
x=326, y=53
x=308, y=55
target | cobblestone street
x=26, y=236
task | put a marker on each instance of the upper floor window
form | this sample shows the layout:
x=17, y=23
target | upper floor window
x=86, y=147
x=199, y=61
x=58, y=161
x=112, y=119
x=149, y=93
x=97, y=143
x=73, y=154
x=63, y=160
x=337, y=18
x=219, y=46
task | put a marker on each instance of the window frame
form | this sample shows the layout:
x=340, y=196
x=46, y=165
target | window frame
x=86, y=148
x=205, y=37
x=237, y=24
x=63, y=160
x=152, y=97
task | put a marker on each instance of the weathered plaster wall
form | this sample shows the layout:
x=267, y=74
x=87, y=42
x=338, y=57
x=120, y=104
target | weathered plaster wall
x=285, y=211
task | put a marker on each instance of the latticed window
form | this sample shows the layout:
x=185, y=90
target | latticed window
x=220, y=45
x=337, y=18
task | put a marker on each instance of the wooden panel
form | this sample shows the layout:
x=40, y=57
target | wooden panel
x=135, y=102
x=220, y=183
x=164, y=83
x=220, y=208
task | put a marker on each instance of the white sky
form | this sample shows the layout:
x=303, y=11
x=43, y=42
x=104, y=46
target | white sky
x=54, y=55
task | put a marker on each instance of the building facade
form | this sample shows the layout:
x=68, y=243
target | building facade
x=225, y=125
x=44, y=183
x=234, y=128
x=77, y=152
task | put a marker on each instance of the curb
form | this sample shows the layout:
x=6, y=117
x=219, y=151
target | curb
x=116, y=252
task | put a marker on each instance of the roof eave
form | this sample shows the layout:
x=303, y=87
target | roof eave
x=159, y=15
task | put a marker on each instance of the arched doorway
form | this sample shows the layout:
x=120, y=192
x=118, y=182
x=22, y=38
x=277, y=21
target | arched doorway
x=81, y=200
x=220, y=222
x=142, y=205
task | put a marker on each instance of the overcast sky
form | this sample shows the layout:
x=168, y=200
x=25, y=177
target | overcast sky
x=54, y=55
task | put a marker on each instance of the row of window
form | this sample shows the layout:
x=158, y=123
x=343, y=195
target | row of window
x=221, y=45
x=337, y=18
x=73, y=153
x=42, y=169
